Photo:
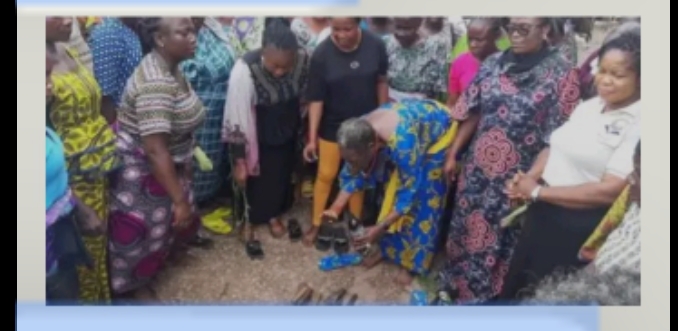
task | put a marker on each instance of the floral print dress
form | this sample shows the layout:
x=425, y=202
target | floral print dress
x=518, y=110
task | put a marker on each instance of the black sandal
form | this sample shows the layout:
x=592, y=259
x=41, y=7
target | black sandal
x=201, y=242
x=341, y=242
x=294, y=230
x=325, y=238
x=254, y=250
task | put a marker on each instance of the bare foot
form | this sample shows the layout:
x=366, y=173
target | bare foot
x=310, y=236
x=277, y=228
x=372, y=260
x=404, y=278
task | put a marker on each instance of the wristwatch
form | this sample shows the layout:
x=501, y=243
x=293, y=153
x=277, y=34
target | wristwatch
x=535, y=193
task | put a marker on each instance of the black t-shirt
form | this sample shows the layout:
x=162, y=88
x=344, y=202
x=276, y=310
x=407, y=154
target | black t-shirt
x=346, y=82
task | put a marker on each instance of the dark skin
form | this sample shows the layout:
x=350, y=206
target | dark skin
x=527, y=36
x=278, y=63
x=363, y=160
x=379, y=27
x=407, y=30
x=347, y=35
x=174, y=42
x=88, y=222
x=621, y=85
x=434, y=24
x=482, y=41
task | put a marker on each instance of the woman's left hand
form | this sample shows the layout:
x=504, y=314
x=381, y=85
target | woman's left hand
x=372, y=234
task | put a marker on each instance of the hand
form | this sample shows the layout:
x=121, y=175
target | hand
x=372, y=234
x=512, y=186
x=311, y=152
x=450, y=168
x=526, y=185
x=183, y=214
x=88, y=221
x=240, y=175
x=329, y=216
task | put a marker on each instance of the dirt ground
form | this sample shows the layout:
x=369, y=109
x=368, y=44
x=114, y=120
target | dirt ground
x=225, y=273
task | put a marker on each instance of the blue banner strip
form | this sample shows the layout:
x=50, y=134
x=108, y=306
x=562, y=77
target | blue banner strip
x=195, y=318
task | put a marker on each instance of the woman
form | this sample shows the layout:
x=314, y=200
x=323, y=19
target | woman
x=67, y=218
x=463, y=45
x=116, y=51
x=309, y=31
x=152, y=207
x=89, y=145
x=413, y=137
x=482, y=34
x=588, y=70
x=208, y=73
x=507, y=113
x=359, y=58
x=416, y=64
x=261, y=123
x=581, y=172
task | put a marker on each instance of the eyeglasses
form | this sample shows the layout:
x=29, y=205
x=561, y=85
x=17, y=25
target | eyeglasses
x=521, y=29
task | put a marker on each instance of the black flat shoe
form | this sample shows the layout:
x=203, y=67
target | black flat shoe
x=254, y=250
x=201, y=242
x=294, y=230
x=341, y=242
x=325, y=238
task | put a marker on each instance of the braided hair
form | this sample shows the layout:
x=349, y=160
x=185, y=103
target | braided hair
x=148, y=28
x=279, y=36
x=627, y=42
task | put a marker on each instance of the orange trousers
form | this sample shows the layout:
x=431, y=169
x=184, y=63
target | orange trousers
x=329, y=160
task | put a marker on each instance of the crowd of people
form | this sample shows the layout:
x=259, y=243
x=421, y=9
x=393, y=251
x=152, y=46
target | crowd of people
x=484, y=140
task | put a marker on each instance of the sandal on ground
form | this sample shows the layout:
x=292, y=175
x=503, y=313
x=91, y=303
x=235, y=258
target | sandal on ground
x=325, y=238
x=341, y=242
x=201, y=242
x=303, y=296
x=336, y=297
x=254, y=250
x=294, y=230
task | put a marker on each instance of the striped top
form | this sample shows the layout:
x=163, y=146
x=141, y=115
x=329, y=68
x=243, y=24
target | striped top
x=156, y=102
x=622, y=247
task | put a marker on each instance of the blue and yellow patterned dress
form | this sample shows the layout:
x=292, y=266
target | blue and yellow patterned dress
x=416, y=187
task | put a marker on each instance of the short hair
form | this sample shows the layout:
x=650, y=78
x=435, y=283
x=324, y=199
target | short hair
x=617, y=287
x=627, y=42
x=495, y=23
x=356, y=134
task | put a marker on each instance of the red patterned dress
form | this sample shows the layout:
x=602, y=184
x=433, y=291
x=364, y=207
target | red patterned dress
x=520, y=105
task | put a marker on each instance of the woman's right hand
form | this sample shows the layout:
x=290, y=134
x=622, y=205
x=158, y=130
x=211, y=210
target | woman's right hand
x=182, y=214
x=311, y=152
x=240, y=175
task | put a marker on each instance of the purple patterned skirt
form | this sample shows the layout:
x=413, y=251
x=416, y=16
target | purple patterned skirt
x=140, y=222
